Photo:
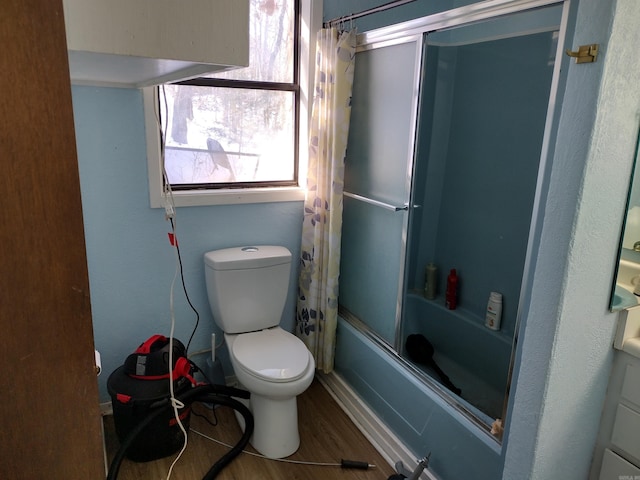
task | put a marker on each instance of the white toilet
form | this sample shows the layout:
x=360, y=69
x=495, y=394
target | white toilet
x=247, y=289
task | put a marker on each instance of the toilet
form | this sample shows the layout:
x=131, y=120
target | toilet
x=247, y=289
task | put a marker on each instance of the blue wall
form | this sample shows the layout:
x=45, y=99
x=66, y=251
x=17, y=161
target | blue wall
x=131, y=264
x=418, y=8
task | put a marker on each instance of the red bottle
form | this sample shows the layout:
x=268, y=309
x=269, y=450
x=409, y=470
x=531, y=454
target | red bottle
x=451, y=296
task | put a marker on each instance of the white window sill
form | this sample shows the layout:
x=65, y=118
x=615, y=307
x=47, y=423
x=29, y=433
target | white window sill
x=231, y=196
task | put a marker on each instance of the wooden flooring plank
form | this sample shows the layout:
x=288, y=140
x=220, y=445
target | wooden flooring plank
x=326, y=432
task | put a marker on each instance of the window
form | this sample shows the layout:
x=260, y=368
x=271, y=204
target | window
x=235, y=136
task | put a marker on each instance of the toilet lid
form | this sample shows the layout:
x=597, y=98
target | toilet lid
x=272, y=354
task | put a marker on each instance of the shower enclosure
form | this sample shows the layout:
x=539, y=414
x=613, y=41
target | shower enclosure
x=446, y=148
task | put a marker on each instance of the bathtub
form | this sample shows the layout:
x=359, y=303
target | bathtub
x=475, y=359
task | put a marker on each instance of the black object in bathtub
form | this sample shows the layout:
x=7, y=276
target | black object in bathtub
x=421, y=351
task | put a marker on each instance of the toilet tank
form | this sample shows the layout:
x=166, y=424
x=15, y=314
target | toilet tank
x=247, y=286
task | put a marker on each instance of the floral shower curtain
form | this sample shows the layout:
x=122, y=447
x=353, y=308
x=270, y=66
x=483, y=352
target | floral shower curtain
x=317, y=309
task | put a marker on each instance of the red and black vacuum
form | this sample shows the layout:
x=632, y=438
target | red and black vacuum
x=143, y=415
x=141, y=385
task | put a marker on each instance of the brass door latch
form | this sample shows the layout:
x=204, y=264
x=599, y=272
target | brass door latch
x=585, y=53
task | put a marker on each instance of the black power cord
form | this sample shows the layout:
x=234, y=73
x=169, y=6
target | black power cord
x=184, y=286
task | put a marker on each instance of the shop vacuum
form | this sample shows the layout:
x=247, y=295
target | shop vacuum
x=143, y=415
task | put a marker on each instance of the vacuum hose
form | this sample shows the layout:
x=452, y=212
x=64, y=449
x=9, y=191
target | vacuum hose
x=206, y=393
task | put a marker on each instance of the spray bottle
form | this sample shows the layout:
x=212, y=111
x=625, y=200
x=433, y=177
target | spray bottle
x=452, y=290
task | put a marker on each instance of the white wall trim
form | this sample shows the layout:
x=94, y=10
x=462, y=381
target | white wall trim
x=377, y=433
x=106, y=408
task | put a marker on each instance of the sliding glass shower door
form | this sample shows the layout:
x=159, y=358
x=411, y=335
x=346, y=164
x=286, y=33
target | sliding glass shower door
x=377, y=187
x=447, y=145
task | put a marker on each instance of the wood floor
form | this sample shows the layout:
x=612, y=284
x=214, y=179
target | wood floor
x=327, y=435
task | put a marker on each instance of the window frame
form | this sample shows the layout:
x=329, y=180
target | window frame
x=309, y=22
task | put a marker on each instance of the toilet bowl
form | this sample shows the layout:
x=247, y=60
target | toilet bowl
x=275, y=367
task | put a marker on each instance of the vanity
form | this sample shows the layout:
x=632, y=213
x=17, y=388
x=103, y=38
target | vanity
x=617, y=453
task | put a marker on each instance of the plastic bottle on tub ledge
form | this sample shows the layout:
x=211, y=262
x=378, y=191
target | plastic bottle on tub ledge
x=493, y=319
x=451, y=296
x=430, y=281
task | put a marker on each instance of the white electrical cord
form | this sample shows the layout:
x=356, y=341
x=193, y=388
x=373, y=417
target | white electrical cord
x=170, y=207
x=170, y=214
x=175, y=403
x=284, y=460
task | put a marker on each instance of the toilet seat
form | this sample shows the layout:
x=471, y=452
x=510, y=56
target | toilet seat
x=273, y=355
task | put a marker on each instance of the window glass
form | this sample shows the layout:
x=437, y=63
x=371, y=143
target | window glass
x=226, y=135
x=239, y=127
x=271, y=51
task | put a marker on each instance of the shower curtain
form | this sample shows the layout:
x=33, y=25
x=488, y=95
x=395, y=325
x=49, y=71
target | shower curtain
x=317, y=307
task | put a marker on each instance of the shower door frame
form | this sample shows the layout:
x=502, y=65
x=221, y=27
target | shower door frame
x=460, y=17
x=364, y=44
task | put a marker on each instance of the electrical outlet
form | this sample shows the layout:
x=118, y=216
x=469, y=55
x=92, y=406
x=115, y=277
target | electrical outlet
x=169, y=211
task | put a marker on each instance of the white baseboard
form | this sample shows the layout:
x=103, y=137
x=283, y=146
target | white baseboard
x=378, y=434
x=106, y=409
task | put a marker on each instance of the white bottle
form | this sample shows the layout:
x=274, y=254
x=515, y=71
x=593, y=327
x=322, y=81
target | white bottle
x=494, y=311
